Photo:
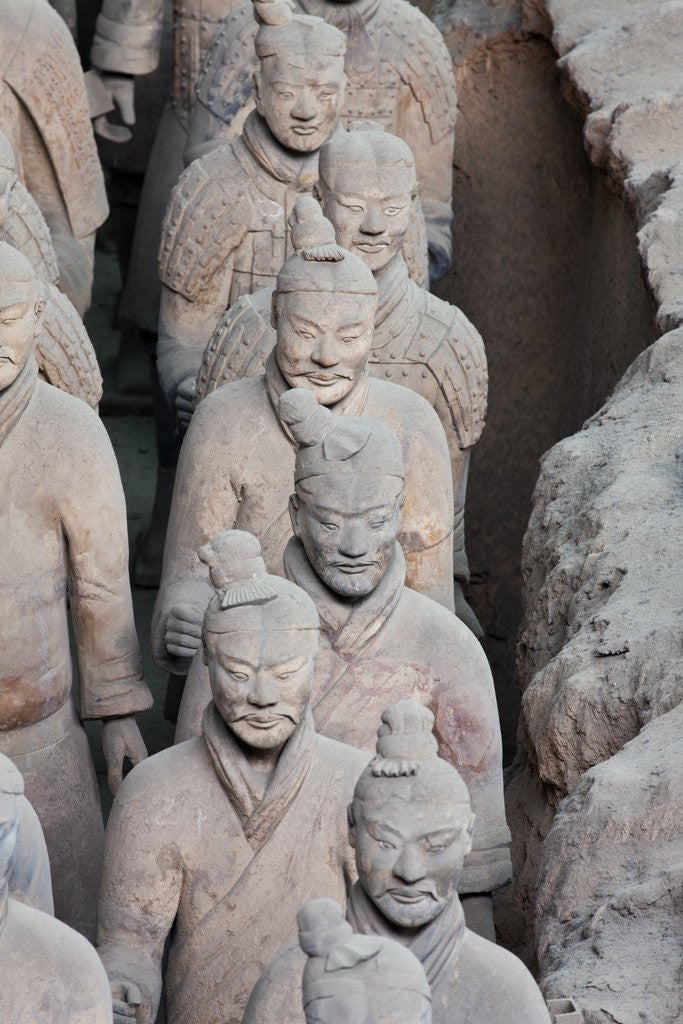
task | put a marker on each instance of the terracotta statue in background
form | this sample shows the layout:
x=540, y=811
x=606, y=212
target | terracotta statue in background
x=225, y=230
x=29, y=879
x=399, y=73
x=350, y=977
x=382, y=641
x=128, y=43
x=63, y=517
x=48, y=973
x=368, y=186
x=65, y=355
x=206, y=838
x=44, y=112
x=237, y=461
x=411, y=825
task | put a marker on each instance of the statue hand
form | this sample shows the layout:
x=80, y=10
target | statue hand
x=184, y=630
x=184, y=401
x=126, y=999
x=121, y=91
x=121, y=739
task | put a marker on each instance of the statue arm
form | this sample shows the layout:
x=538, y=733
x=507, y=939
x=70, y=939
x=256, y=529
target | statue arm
x=205, y=501
x=128, y=36
x=130, y=941
x=93, y=515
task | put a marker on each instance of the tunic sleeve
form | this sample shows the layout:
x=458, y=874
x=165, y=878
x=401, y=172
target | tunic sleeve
x=205, y=501
x=93, y=515
x=140, y=889
x=128, y=36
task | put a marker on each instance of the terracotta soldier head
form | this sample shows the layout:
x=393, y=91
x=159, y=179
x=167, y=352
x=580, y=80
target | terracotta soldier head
x=323, y=310
x=11, y=790
x=299, y=84
x=260, y=636
x=21, y=312
x=357, y=978
x=410, y=821
x=368, y=189
x=348, y=502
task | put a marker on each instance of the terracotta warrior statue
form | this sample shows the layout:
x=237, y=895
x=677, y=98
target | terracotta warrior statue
x=225, y=230
x=48, y=973
x=411, y=825
x=28, y=880
x=399, y=73
x=65, y=355
x=382, y=641
x=44, y=112
x=128, y=43
x=63, y=516
x=237, y=460
x=349, y=978
x=205, y=839
x=367, y=184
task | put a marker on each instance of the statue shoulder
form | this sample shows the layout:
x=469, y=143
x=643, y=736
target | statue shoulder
x=26, y=229
x=225, y=84
x=206, y=219
x=424, y=63
x=458, y=361
x=65, y=352
x=240, y=344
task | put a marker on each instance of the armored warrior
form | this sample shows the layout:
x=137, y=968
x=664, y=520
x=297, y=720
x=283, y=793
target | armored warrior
x=127, y=43
x=65, y=355
x=48, y=972
x=225, y=231
x=214, y=838
x=367, y=186
x=350, y=977
x=411, y=823
x=237, y=461
x=63, y=516
x=399, y=73
x=44, y=112
x=382, y=641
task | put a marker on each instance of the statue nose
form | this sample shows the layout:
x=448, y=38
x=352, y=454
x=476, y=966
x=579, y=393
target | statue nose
x=410, y=866
x=373, y=222
x=325, y=353
x=264, y=691
x=353, y=541
x=304, y=109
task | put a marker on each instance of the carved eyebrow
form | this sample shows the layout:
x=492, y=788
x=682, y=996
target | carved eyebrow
x=14, y=306
x=303, y=321
x=296, y=662
x=444, y=833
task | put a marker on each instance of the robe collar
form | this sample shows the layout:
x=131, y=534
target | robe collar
x=298, y=171
x=436, y=945
x=259, y=818
x=276, y=384
x=348, y=625
x=15, y=398
x=393, y=303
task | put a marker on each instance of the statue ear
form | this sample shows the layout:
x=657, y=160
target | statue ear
x=351, y=821
x=39, y=310
x=294, y=513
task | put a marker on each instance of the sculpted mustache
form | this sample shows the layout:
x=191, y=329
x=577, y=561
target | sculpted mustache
x=424, y=887
x=320, y=373
x=266, y=713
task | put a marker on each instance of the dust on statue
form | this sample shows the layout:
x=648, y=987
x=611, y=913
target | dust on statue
x=224, y=814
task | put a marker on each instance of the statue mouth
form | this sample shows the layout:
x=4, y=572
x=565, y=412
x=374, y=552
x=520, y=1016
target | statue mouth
x=371, y=247
x=325, y=380
x=305, y=129
x=409, y=896
x=353, y=568
x=263, y=721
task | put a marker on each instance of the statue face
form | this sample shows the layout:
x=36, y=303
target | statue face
x=348, y=524
x=323, y=340
x=300, y=100
x=261, y=681
x=410, y=853
x=20, y=319
x=378, y=1004
x=9, y=823
x=370, y=209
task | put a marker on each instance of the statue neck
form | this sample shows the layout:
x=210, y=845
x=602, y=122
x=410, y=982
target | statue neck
x=15, y=398
x=296, y=170
x=392, y=282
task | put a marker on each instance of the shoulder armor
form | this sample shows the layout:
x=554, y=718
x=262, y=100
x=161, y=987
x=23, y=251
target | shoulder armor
x=45, y=72
x=424, y=63
x=65, y=353
x=206, y=219
x=226, y=83
x=458, y=361
x=25, y=228
x=240, y=344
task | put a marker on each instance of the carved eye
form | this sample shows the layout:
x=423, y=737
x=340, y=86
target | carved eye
x=285, y=95
x=241, y=677
x=378, y=524
x=356, y=209
x=329, y=526
x=386, y=845
x=391, y=211
x=306, y=335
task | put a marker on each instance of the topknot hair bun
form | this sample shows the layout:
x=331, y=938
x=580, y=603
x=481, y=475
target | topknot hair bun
x=312, y=234
x=308, y=422
x=322, y=927
x=237, y=569
x=404, y=738
x=273, y=12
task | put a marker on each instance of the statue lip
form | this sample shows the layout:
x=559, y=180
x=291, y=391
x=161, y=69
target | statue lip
x=408, y=895
x=353, y=567
x=324, y=380
x=371, y=246
x=305, y=129
x=263, y=721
